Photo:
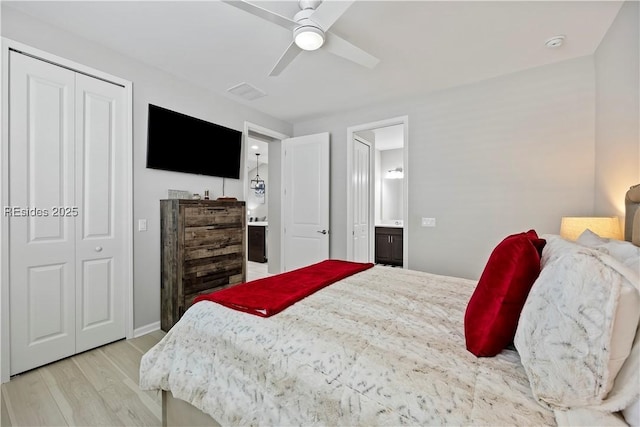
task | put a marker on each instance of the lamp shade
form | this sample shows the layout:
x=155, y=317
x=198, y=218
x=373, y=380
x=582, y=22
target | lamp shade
x=606, y=227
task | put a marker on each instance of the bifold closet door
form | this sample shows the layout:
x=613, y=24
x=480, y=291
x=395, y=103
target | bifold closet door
x=66, y=287
x=100, y=227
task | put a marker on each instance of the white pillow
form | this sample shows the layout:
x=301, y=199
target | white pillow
x=578, y=325
x=625, y=252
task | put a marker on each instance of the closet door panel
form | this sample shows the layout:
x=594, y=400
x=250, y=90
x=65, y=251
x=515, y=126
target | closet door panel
x=42, y=241
x=100, y=227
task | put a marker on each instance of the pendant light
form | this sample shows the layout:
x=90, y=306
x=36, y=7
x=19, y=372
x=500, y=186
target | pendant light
x=257, y=183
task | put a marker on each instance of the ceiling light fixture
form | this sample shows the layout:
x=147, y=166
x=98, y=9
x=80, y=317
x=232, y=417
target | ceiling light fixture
x=257, y=183
x=554, y=42
x=396, y=173
x=308, y=37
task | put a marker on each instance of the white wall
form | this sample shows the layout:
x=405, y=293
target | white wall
x=618, y=111
x=149, y=86
x=486, y=160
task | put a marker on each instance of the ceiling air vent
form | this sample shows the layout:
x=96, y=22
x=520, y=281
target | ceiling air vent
x=246, y=91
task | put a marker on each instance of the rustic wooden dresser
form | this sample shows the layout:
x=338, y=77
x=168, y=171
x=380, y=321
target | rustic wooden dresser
x=202, y=248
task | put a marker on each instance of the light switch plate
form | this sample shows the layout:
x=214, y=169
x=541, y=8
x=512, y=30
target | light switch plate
x=428, y=222
x=142, y=225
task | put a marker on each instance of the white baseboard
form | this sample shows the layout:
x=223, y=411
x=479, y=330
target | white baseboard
x=143, y=330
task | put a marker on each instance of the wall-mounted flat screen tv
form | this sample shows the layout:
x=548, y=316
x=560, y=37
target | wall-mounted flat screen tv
x=180, y=143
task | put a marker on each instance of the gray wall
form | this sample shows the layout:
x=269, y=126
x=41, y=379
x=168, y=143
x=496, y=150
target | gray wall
x=486, y=160
x=618, y=112
x=149, y=186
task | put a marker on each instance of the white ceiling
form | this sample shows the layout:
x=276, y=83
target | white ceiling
x=422, y=45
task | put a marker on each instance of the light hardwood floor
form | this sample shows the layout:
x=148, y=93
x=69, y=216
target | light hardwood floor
x=256, y=270
x=95, y=388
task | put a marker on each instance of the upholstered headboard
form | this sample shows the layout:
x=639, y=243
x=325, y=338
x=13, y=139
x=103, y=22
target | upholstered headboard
x=632, y=217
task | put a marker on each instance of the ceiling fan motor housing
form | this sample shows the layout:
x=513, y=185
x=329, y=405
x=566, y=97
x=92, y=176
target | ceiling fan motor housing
x=309, y=35
x=309, y=4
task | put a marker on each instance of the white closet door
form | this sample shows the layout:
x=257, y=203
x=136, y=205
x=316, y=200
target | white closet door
x=42, y=247
x=100, y=226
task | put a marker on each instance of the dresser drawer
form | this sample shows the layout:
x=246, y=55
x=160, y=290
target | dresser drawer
x=209, y=251
x=211, y=272
x=213, y=235
x=210, y=215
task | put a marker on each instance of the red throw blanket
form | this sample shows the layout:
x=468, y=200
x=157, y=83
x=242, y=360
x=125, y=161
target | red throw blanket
x=270, y=295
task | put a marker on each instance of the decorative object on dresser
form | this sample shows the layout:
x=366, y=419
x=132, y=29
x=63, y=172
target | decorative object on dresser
x=202, y=249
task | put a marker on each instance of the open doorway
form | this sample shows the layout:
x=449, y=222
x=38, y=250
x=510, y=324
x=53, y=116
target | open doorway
x=377, y=191
x=262, y=194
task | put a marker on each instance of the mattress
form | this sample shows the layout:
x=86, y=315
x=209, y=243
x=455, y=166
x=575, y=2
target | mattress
x=383, y=347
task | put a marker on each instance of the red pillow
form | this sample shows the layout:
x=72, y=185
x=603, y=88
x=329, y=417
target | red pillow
x=493, y=311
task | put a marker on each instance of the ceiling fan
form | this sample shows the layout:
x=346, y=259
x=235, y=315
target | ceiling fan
x=310, y=29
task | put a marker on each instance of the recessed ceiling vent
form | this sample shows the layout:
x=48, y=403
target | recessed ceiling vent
x=246, y=91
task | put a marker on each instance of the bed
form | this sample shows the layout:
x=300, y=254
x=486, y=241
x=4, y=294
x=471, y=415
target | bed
x=385, y=346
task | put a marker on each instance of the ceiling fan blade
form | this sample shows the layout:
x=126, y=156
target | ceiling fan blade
x=289, y=55
x=263, y=13
x=340, y=47
x=329, y=11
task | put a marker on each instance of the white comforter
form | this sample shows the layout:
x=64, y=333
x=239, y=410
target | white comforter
x=382, y=347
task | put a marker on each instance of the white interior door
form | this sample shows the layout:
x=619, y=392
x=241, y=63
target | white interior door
x=305, y=200
x=100, y=227
x=361, y=205
x=42, y=247
x=68, y=211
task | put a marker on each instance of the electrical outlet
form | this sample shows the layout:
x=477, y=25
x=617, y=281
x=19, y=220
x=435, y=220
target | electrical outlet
x=142, y=225
x=428, y=222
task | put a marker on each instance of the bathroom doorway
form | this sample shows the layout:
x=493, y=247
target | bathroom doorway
x=377, y=160
x=262, y=195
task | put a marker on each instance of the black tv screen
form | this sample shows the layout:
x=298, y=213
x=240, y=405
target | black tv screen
x=180, y=143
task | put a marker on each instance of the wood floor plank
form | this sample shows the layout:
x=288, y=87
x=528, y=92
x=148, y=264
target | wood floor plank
x=30, y=402
x=72, y=390
x=5, y=418
x=143, y=343
x=127, y=406
x=127, y=359
x=112, y=385
x=98, y=370
x=152, y=399
x=159, y=334
x=98, y=387
x=126, y=356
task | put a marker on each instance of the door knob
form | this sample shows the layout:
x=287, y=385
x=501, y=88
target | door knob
x=98, y=248
x=322, y=231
